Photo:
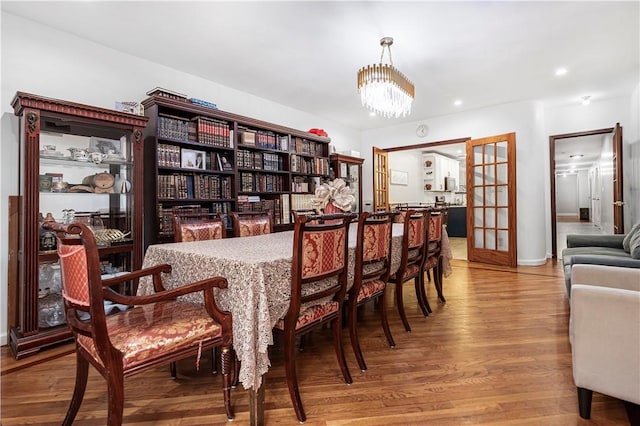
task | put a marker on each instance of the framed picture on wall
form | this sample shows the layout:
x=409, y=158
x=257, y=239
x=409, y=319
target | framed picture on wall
x=397, y=177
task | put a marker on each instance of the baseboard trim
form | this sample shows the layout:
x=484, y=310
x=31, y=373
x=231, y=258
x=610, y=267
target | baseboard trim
x=532, y=262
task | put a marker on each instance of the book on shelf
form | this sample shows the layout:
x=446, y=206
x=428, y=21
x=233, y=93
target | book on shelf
x=225, y=161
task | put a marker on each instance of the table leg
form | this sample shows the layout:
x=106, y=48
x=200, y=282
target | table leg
x=256, y=405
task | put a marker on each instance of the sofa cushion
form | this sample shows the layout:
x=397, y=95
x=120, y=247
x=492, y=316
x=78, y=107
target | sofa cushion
x=607, y=251
x=634, y=245
x=626, y=243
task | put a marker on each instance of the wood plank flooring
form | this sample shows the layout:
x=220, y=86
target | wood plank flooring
x=497, y=353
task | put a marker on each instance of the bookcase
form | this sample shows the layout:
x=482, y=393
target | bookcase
x=77, y=163
x=203, y=159
x=350, y=170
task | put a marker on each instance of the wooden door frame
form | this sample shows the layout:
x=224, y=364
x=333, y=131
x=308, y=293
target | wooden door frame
x=410, y=148
x=552, y=177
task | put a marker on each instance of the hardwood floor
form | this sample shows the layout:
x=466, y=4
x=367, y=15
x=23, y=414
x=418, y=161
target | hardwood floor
x=496, y=353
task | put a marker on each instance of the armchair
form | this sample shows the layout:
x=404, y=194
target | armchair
x=605, y=334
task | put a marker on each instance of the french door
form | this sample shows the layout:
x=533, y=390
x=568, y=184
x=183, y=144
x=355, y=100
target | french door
x=618, y=201
x=380, y=179
x=491, y=200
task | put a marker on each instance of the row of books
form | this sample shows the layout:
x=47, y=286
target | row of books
x=214, y=132
x=183, y=186
x=200, y=129
x=259, y=160
x=263, y=139
x=309, y=165
x=166, y=213
x=303, y=146
x=264, y=205
x=259, y=182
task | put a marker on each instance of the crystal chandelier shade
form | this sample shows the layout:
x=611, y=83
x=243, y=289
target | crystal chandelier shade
x=383, y=89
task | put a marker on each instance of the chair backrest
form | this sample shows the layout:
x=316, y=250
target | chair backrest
x=414, y=238
x=82, y=290
x=247, y=224
x=302, y=212
x=434, y=247
x=373, y=248
x=198, y=226
x=320, y=252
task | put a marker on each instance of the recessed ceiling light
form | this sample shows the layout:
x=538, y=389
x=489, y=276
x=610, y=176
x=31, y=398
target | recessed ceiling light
x=576, y=156
x=586, y=100
x=561, y=71
x=457, y=102
x=372, y=114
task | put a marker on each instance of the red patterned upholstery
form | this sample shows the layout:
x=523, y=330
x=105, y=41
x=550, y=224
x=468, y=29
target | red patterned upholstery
x=318, y=287
x=370, y=288
x=199, y=231
x=149, y=331
x=73, y=269
x=414, y=248
x=251, y=227
x=312, y=314
x=158, y=330
x=371, y=272
x=322, y=252
x=248, y=224
x=435, y=227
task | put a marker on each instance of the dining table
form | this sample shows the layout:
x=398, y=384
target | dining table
x=258, y=271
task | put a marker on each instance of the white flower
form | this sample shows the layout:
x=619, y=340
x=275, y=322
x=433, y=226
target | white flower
x=337, y=192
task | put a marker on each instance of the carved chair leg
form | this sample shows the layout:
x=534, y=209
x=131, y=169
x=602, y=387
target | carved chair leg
x=225, y=368
x=336, y=326
x=437, y=280
x=382, y=299
x=584, y=402
x=352, y=316
x=172, y=370
x=214, y=358
x=421, y=296
x=400, y=303
x=236, y=369
x=82, y=373
x=292, y=377
x=115, y=384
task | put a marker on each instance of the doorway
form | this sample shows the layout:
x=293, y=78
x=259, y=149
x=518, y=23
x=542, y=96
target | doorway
x=585, y=181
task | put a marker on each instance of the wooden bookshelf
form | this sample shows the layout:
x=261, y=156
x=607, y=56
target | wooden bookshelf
x=218, y=161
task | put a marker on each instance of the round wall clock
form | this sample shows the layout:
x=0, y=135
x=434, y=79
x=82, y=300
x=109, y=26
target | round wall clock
x=421, y=130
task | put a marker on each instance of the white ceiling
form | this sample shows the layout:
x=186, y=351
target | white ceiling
x=306, y=54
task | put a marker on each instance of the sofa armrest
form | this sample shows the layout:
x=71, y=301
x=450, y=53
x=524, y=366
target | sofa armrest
x=597, y=240
x=605, y=338
x=605, y=276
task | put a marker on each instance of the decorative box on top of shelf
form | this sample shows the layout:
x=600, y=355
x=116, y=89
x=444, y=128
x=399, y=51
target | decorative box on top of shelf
x=262, y=163
x=80, y=158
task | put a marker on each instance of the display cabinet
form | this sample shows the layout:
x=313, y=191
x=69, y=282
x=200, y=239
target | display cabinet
x=77, y=163
x=247, y=164
x=350, y=170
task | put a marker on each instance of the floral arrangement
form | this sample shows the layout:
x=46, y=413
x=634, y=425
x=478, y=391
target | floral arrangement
x=335, y=192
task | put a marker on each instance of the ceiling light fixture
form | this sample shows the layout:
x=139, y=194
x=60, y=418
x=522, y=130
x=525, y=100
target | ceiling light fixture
x=576, y=156
x=383, y=89
x=561, y=71
x=457, y=102
x=586, y=100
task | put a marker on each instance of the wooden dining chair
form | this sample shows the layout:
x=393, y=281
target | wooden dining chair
x=198, y=226
x=318, y=288
x=247, y=224
x=433, y=259
x=414, y=246
x=302, y=212
x=371, y=273
x=157, y=329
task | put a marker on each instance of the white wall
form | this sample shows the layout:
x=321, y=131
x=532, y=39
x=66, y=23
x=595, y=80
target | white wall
x=524, y=118
x=37, y=59
x=410, y=162
x=584, y=199
x=567, y=195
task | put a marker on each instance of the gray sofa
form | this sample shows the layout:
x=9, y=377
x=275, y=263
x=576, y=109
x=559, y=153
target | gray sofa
x=612, y=250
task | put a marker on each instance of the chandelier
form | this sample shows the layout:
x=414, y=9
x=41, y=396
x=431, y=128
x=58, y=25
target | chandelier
x=383, y=89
